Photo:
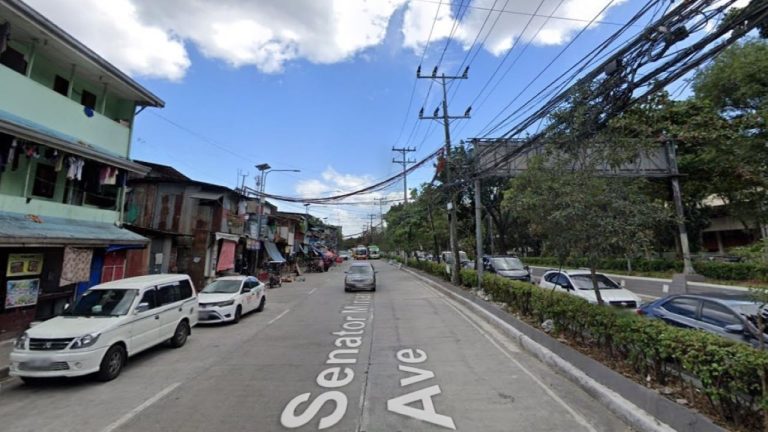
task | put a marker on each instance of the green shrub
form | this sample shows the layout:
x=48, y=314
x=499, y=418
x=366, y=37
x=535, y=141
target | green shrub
x=616, y=264
x=732, y=271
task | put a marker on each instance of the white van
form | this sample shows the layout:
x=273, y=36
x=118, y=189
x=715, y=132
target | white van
x=108, y=324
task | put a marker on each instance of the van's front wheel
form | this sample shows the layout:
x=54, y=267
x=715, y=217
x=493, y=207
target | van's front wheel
x=112, y=363
x=180, y=335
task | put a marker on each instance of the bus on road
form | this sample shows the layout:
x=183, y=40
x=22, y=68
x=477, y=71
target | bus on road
x=374, y=252
x=360, y=253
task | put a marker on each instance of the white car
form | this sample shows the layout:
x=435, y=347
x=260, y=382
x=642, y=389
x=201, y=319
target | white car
x=579, y=283
x=229, y=298
x=109, y=323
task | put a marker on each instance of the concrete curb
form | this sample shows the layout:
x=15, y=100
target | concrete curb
x=632, y=414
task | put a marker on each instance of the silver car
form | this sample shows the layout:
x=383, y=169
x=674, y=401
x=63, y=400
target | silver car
x=360, y=276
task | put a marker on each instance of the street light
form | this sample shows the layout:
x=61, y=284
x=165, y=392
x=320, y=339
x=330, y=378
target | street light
x=265, y=169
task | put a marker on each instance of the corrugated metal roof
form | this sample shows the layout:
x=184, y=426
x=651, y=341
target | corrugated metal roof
x=19, y=229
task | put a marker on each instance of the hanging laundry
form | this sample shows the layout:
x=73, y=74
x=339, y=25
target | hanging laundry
x=59, y=162
x=13, y=158
x=31, y=151
x=112, y=176
x=103, y=173
x=75, y=168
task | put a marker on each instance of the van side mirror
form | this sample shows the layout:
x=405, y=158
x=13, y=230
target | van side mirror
x=527, y=268
x=142, y=307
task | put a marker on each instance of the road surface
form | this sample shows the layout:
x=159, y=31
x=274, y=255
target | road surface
x=404, y=358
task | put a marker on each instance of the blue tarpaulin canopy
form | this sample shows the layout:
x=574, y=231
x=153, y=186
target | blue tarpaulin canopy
x=273, y=252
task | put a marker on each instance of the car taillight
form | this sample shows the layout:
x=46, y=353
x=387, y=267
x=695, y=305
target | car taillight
x=640, y=311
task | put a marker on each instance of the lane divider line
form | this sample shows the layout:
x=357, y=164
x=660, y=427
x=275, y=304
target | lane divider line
x=279, y=316
x=132, y=413
x=311, y=292
x=632, y=414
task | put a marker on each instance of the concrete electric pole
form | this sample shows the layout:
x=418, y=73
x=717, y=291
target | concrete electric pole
x=445, y=119
x=405, y=161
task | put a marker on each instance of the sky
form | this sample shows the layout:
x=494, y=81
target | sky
x=327, y=87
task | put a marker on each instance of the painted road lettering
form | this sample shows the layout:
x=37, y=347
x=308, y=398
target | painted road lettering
x=346, y=345
x=402, y=404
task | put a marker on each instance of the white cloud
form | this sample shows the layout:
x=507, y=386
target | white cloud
x=115, y=31
x=353, y=218
x=151, y=38
x=573, y=16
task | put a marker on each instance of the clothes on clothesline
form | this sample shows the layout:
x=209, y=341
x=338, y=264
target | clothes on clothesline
x=108, y=175
x=75, y=170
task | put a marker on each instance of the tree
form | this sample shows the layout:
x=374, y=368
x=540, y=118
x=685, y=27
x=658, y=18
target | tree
x=576, y=213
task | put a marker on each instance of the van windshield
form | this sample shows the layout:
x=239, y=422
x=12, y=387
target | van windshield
x=104, y=302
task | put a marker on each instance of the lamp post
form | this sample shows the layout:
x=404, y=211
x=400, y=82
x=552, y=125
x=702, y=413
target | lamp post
x=265, y=169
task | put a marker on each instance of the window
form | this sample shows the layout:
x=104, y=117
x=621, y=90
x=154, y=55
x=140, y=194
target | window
x=14, y=60
x=562, y=280
x=168, y=294
x=45, y=181
x=551, y=277
x=149, y=298
x=88, y=99
x=718, y=315
x=683, y=306
x=185, y=288
x=61, y=85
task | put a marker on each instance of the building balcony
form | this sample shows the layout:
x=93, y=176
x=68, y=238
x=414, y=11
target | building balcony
x=32, y=101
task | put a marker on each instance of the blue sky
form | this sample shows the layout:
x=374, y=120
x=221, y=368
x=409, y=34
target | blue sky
x=334, y=113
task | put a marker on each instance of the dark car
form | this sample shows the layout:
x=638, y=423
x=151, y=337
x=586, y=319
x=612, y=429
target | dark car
x=360, y=276
x=507, y=266
x=731, y=316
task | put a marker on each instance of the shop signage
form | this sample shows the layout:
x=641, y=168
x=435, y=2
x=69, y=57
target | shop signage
x=24, y=265
x=21, y=293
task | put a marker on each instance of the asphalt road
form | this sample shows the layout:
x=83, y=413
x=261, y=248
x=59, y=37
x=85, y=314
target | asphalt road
x=404, y=358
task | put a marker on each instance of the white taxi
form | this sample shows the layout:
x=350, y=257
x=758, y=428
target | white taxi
x=228, y=298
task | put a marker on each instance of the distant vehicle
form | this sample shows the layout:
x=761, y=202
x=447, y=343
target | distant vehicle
x=507, y=266
x=360, y=276
x=374, y=252
x=345, y=255
x=360, y=253
x=447, y=258
x=579, y=283
x=228, y=298
x=109, y=323
x=730, y=316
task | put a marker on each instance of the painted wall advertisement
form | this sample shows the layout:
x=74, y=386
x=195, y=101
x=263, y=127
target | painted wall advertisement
x=21, y=293
x=24, y=265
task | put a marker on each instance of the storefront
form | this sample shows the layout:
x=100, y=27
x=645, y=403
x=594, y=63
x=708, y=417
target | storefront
x=45, y=262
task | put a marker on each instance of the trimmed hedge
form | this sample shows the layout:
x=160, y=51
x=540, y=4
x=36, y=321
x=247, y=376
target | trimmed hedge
x=732, y=271
x=727, y=373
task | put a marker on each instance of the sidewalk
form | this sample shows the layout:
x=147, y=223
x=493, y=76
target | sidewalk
x=6, y=346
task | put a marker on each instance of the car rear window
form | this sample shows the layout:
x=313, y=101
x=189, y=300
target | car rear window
x=682, y=306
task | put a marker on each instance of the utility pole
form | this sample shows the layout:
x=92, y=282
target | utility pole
x=445, y=119
x=405, y=161
x=381, y=212
x=677, y=197
x=370, y=231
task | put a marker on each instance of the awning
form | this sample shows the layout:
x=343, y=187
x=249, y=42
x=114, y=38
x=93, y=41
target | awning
x=116, y=247
x=208, y=196
x=32, y=131
x=19, y=230
x=224, y=236
x=273, y=252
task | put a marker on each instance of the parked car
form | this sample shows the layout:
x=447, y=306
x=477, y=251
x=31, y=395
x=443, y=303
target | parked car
x=360, y=276
x=447, y=258
x=108, y=324
x=579, y=283
x=731, y=316
x=228, y=298
x=509, y=267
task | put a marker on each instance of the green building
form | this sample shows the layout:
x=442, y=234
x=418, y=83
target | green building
x=66, y=116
